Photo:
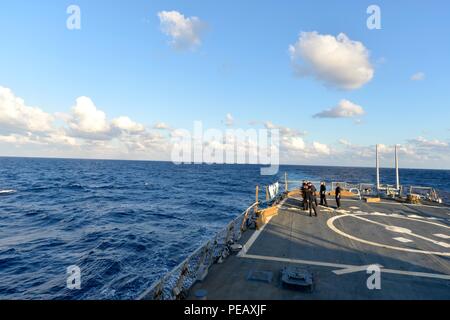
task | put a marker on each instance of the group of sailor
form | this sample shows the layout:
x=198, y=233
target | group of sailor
x=308, y=191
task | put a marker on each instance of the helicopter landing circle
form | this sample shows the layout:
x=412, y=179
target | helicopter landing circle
x=397, y=232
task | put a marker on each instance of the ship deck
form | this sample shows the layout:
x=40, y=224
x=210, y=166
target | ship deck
x=410, y=243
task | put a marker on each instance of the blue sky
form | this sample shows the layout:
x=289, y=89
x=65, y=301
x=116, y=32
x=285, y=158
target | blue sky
x=125, y=64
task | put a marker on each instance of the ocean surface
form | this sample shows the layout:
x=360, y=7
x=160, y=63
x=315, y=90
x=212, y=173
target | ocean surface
x=126, y=223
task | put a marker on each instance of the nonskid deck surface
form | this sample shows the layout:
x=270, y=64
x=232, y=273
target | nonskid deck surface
x=411, y=243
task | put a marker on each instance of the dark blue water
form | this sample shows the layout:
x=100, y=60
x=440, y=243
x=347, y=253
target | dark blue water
x=127, y=223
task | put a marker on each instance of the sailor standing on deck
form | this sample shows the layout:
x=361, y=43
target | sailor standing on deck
x=310, y=201
x=338, y=196
x=313, y=192
x=323, y=194
x=305, y=200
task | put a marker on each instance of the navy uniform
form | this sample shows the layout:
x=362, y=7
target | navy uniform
x=311, y=204
x=305, y=200
x=313, y=193
x=323, y=195
x=338, y=196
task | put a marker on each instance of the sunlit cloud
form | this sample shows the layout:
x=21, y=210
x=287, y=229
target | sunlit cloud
x=86, y=131
x=161, y=126
x=345, y=109
x=419, y=76
x=229, y=120
x=336, y=61
x=184, y=32
x=16, y=116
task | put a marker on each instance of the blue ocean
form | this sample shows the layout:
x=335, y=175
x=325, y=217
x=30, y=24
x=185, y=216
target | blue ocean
x=126, y=223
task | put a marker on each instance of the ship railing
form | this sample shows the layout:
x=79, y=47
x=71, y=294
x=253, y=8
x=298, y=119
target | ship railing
x=370, y=189
x=358, y=188
x=175, y=284
x=427, y=193
x=389, y=191
x=347, y=185
x=296, y=184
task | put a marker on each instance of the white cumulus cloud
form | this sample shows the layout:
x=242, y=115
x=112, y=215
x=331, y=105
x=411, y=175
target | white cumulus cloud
x=16, y=116
x=336, y=61
x=293, y=143
x=321, y=148
x=86, y=119
x=229, y=120
x=127, y=125
x=83, y=132
x=423, y=142
x=345, y=142
x=285, y=131
x=161, y=126
x=185, y=32
x=418, y=76
x=345, y=109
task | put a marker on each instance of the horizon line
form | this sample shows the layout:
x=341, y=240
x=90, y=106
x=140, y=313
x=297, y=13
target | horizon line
x=208, y=164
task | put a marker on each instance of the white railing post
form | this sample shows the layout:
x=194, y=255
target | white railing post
x=397, y=176
x=378, y=168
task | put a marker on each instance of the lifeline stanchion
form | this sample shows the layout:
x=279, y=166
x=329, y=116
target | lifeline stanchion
x=286, y=182
x=257, y=198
